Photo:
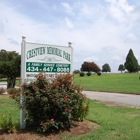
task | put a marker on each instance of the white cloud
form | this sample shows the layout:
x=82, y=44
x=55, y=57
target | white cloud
x=69, y=23
x=67, y=7
x=116, y=58
x=130, y=38
x=87, y=11
x=119, y=10
x=91, y=59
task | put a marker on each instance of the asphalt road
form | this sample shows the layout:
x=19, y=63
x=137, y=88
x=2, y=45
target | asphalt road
x=125, y=99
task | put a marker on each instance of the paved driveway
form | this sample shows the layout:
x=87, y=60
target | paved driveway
x=126, y=99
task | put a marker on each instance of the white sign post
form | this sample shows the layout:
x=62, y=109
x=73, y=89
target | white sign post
x=22, y=113
x=51, y=59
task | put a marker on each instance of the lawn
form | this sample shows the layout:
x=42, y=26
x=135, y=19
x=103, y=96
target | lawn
x=124, y=83
x=119, y=82
x=8, y=106
x=115, y=123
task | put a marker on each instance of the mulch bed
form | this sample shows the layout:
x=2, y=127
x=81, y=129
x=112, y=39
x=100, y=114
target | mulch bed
x=80, y=128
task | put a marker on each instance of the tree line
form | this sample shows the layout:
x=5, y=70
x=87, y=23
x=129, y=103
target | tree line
x=10, y=64
x=93, y=67
x=131, y=65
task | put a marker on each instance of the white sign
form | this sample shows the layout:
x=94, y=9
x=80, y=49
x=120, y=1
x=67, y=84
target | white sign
x=37, y=58
x=46, y=58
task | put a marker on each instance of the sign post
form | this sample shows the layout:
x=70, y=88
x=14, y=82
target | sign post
x=22, y=112
x=50, y=59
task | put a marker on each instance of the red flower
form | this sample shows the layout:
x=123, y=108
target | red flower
x=36, y=76
x=65, y=98
x=66, y=109
x=28, y=75
x=21, y=86
x=52, y=120
x=53, y=100
x=51, y=75
x=33, y=87
x=69, y=81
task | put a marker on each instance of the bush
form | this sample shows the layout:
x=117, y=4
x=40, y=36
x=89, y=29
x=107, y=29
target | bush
x=53, y=105
x=76, y=71
x=82, y=73
x=89, y=73
x=2, y=90
x=13, y=92
x=99, y=73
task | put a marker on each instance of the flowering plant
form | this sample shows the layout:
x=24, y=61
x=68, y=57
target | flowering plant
x=53, y=105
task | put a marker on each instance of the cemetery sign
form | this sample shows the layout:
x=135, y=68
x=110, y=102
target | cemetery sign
x=51, y=59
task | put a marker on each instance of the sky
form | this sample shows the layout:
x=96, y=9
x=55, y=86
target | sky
x=101, y=31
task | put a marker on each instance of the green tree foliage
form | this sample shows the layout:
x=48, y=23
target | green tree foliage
x=90, y=67
x=76, y=71
x=139, y=68
x=106, y=68
x=121, y=67
x=131, y=63
x=10, y=62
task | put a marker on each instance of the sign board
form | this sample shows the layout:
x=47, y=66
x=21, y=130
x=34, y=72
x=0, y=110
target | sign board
x=35, y=58
x=51, y=59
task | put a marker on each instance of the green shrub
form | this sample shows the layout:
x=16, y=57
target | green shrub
x=82, y=74
x=99, y=73
x=53, y=105
x=89, y=73
x=2, y=90
x=76, y=71
x=6, y=123
x=13, y=92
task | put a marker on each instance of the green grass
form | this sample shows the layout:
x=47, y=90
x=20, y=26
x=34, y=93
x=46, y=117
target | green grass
x=8, y=106
x=5, y=80
x=115, y=123
x=125, y=83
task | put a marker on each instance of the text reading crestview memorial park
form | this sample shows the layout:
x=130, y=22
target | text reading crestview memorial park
x=47, y=58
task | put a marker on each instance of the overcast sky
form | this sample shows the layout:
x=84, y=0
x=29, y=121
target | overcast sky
x=101, y=31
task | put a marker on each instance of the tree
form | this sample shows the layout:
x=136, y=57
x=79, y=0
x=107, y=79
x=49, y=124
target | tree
x=121, y=68
x=10, y=62
x=106, y=68
x=90, y=67
x=139, y=68
x=131, y=63
x=76, y=71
